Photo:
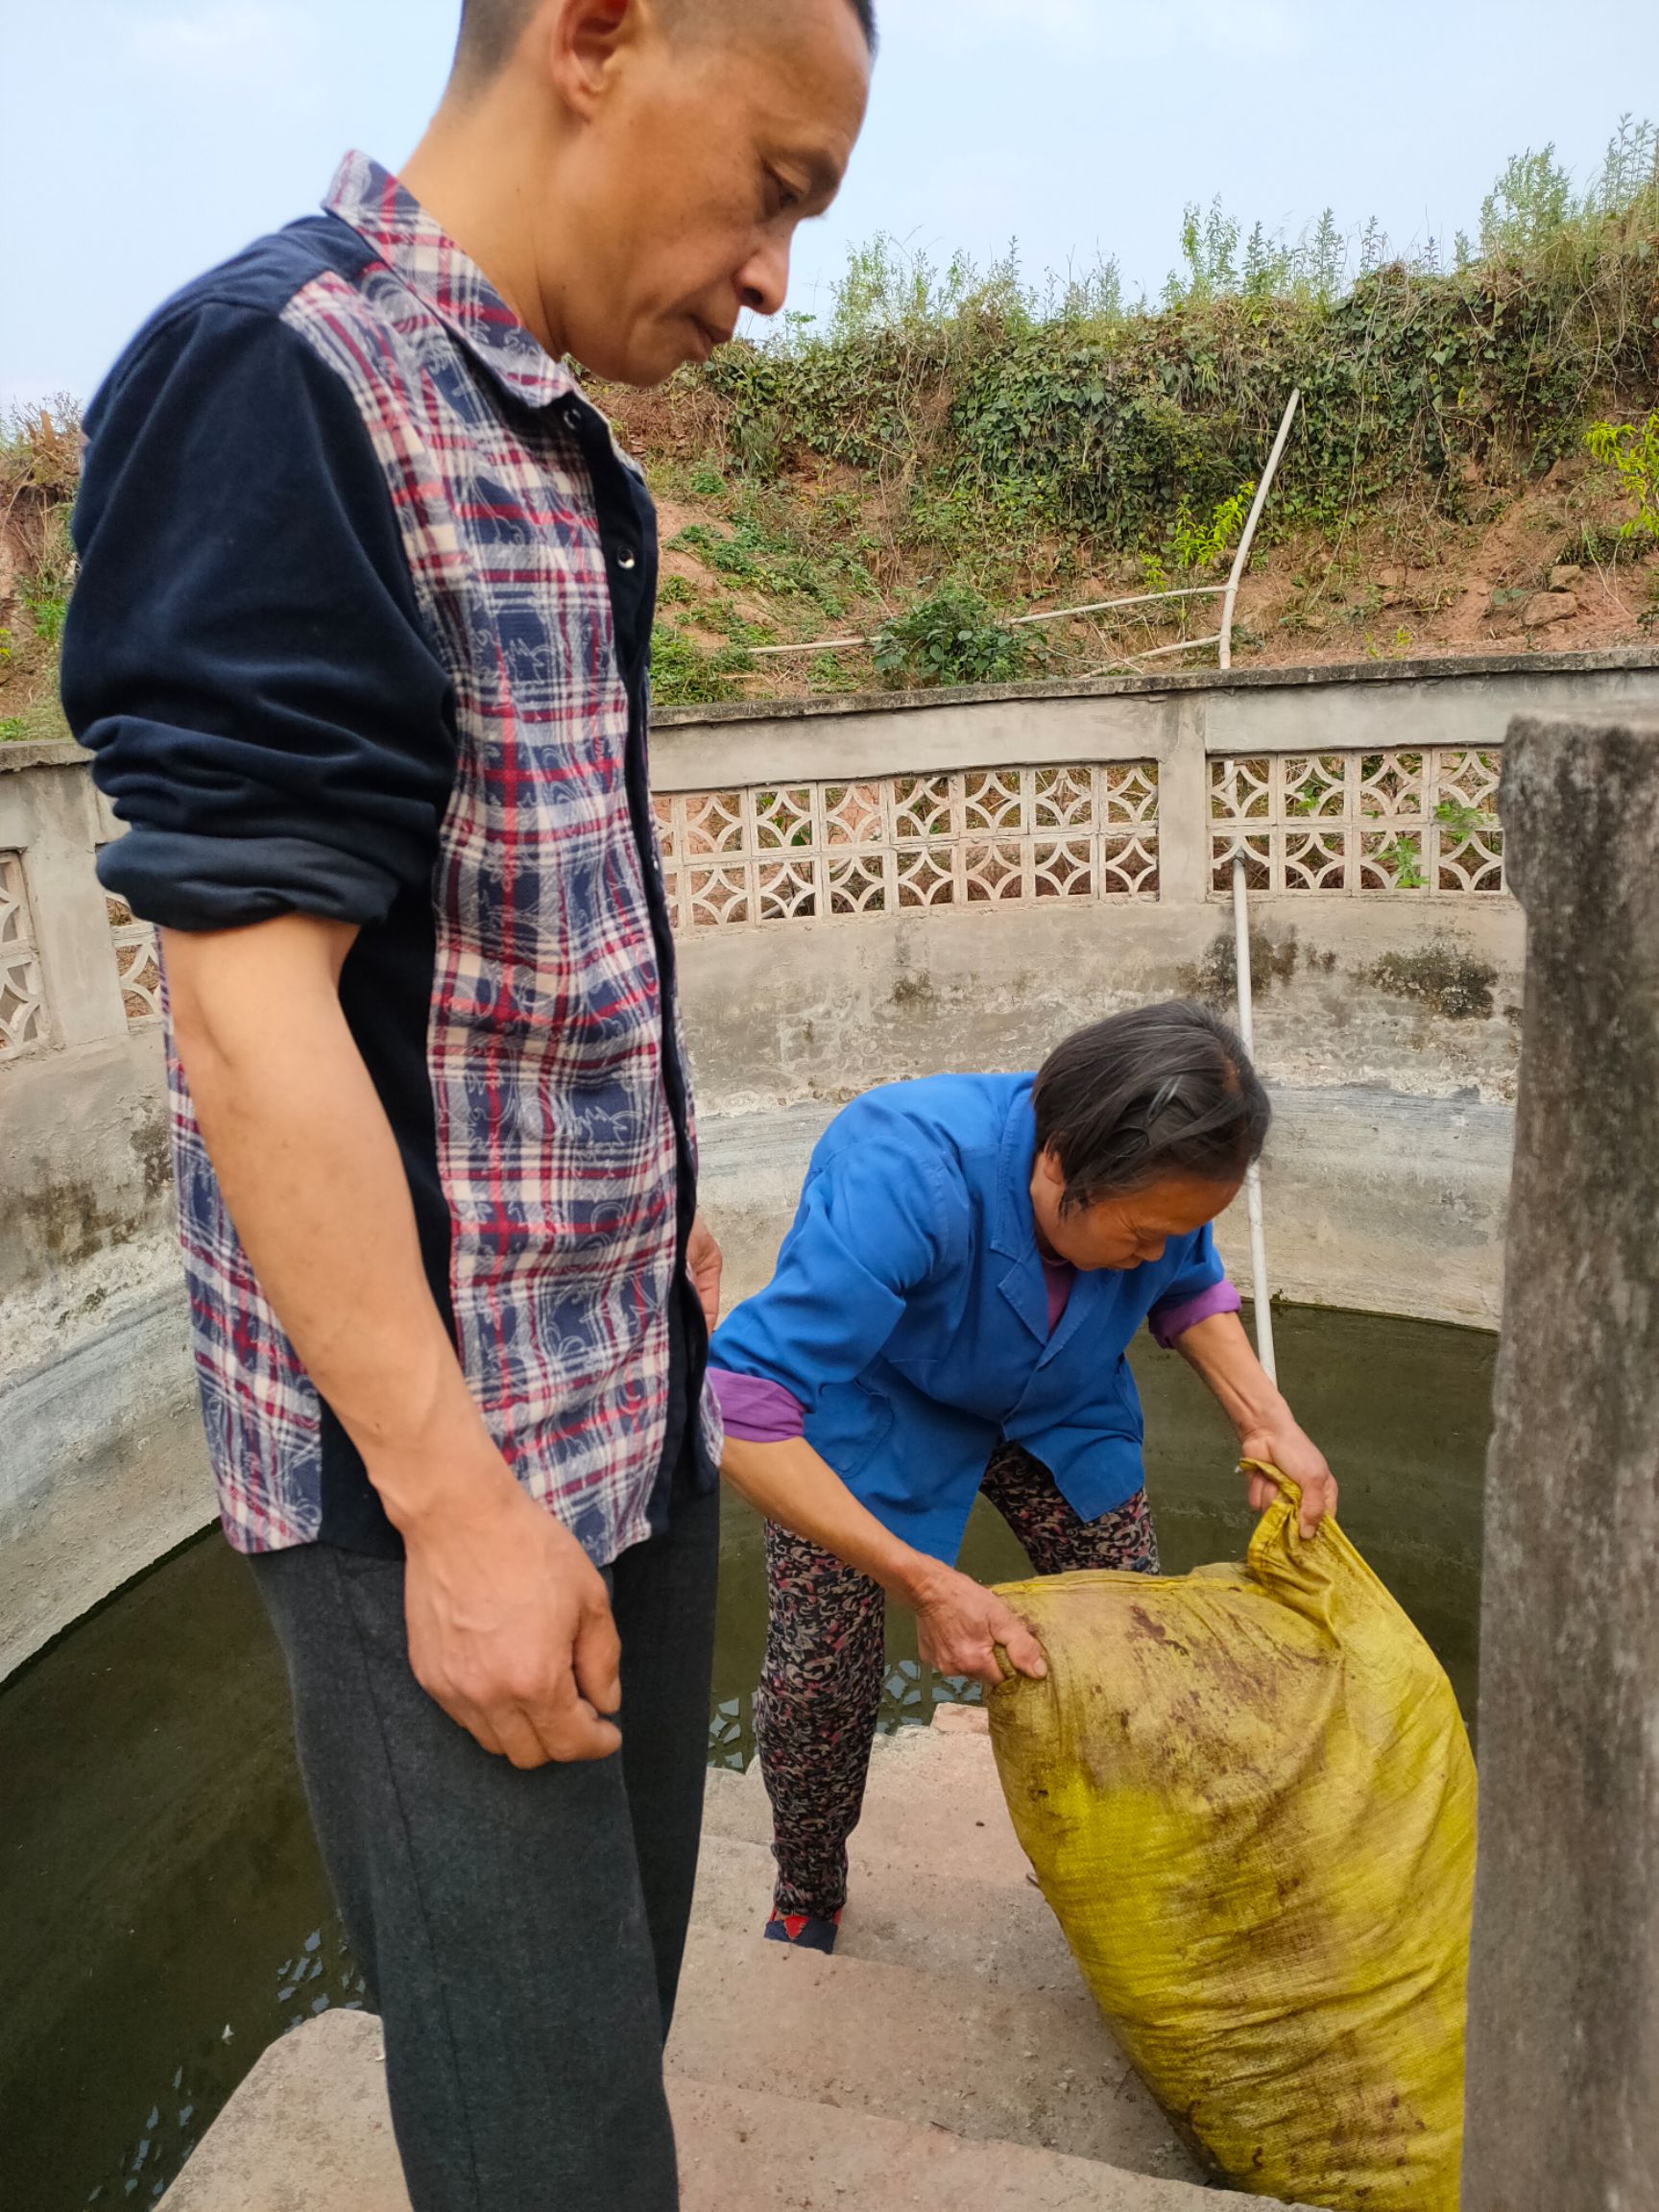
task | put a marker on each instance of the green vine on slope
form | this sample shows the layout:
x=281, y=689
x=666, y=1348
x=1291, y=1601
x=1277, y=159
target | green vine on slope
x=1073, y=411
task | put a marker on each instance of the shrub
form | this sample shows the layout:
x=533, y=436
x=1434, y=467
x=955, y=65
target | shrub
x=1631, y=450
x=683, y=674
x=1064, y=411
x=951, y=638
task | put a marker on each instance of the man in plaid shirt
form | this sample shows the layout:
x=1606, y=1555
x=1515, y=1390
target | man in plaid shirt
x=360, y=644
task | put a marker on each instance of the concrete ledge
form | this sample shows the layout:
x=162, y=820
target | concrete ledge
x=1455, y=700
x=1303, y=676
x=824, y=1010
x=111, y=1438
x=1377, y=1202
x=309, y=2131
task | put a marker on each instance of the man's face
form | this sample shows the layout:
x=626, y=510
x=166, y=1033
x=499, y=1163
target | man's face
x=692, y=170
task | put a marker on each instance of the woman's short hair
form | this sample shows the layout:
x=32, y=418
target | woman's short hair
x=1159, y=1091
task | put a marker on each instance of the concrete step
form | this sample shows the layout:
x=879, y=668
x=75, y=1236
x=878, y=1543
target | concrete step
x=309, y=2131
x=746, y=2151
x=1018, y=2065
x=948, y=2057
x=920, y=1919
x=934, y=1805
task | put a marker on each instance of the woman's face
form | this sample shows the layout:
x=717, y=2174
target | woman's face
x=1129, y=1230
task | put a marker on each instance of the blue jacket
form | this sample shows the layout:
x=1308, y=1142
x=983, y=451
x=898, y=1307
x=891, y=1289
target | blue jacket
x=909, y=1314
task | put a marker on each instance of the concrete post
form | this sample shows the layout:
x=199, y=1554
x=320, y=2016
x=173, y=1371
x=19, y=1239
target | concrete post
x=1184, y=863
x=1564, y=1993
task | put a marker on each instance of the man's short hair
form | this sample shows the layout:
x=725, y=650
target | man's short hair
x=490, y=28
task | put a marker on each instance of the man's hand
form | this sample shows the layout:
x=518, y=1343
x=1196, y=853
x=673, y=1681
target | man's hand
x=704, y=1264
x=1293, y=1451
x=959, y=1626
x=510, y=1627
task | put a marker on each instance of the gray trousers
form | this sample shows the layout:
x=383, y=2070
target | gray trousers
x=520, y=1934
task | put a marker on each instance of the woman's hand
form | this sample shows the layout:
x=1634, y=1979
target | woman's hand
x=1263, y=1424
x=959, y=1626
x=1287, y=1446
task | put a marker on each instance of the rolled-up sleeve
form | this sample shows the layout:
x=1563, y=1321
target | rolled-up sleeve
x=875, y=1220
x=1198, y=1290
x=755, y=1412
x=245, y=656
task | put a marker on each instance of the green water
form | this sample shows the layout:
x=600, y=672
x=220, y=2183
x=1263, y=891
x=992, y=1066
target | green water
x=163, y=1917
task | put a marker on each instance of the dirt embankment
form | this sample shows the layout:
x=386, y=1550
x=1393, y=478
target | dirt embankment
x=818, y=551
x=1519, y=566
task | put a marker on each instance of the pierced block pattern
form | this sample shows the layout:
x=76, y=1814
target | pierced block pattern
x=22, y=993
x=1351, y=822
x=986, y=837
x=137, y=963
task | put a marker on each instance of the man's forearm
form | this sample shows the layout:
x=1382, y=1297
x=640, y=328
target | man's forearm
x=312, y=1178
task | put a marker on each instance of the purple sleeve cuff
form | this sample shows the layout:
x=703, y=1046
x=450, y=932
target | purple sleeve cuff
x=756, y=1412
x=1168, y=1322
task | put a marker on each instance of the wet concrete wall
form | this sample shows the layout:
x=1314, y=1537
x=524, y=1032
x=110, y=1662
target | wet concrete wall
x=101, y=1468
x=1387, y=1023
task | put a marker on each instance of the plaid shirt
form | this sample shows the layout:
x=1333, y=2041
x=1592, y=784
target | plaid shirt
x=510, y=857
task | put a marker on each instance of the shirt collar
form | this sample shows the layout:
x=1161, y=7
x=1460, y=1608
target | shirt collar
x=423, y=256
x=1015, y=1233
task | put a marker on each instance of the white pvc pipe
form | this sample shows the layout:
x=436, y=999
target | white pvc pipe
x=1260, y=1292
x=1158, y=653
x=1020, y=621
x=1227, y=592
x=1239, y=558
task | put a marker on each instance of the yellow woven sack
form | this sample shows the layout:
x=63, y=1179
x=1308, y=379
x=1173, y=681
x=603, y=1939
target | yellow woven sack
x=1249, y=1798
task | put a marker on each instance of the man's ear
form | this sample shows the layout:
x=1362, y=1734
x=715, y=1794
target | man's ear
x=583, y=41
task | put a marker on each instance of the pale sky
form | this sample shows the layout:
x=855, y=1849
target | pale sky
x=145, y=139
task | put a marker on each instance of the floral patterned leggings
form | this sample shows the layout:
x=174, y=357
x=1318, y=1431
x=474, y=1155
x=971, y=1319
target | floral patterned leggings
x=821, y=1684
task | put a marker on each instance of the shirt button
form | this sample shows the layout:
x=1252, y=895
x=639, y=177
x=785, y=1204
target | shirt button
x=627, y=558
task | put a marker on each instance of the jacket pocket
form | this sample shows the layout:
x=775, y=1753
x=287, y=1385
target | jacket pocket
x=849, y=1426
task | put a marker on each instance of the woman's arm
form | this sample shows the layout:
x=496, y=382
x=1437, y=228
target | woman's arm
x=958, y=1623
x=1264, y=1423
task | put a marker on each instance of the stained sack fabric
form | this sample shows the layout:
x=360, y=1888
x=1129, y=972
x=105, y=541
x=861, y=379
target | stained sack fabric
x=1249, y=1797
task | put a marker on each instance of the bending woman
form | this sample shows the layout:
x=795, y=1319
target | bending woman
x=950, y=1311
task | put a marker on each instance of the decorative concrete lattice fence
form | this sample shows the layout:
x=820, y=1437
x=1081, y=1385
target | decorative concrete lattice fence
x=137, y=963
x=24, y=1006
x=832, y=851
x=1349, y=822
x=1358, y=822
x=76, y=966
x=1133, y=798
x=22, y=993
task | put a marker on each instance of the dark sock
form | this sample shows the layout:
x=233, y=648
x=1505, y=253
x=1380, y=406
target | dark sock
x=805, y=1931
